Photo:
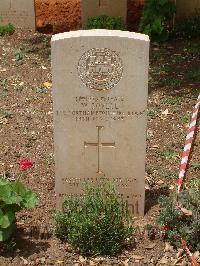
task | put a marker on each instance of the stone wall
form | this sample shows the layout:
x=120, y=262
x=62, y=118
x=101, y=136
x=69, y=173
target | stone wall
x=65, y=15
x=57, y=16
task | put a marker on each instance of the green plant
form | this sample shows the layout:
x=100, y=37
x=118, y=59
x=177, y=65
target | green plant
x=168, y=174
x=157, y=54
x=195, y=166
x=185, y=118
x=164, y=69
x=189, y=27
x=182, y=218
x=168, y=154
x=105, y=22
x=172, y=100
x=10, y=246
x=40, y=89
x=13, y=197
x=152, y=113
x=194, y=74
x=99, y=223
x=3, y=87
x=7, y=29
x=180, y=139
x=18, y=55
x=179, y=59
x=3, y=82
x=192, y=48
x=156, y=17
x=169, y=82
x=7, y=114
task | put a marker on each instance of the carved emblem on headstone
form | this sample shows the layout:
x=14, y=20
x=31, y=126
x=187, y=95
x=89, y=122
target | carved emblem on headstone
x=100, y=69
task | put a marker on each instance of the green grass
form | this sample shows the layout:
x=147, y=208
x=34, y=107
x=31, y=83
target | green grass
x=193, y=74
x=3, y=88
x=18, y=55
x=169, y=82
x=171, y=100
x=40, y=89
x=192, y=47
x=180, y=139
x=195, y=166
x=179, y=58
x=168, y=154
x=7, y=114
x=164, y=69
x=2, y=83
x=189, y=27
x=7, y=29
x=152, y=113
x=185, y=118
x=168, y=174
x=157, y=54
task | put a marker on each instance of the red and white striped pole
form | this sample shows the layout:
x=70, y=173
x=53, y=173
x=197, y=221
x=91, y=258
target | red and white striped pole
x=193, y=260
x=188, y=145
x=184, y=163
x=182, y=170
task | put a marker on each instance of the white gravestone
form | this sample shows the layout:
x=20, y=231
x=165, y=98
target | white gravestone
x=20, y=13
x=100, y=87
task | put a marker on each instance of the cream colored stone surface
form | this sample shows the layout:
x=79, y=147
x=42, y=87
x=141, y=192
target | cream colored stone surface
x=93, y=8
x=100, y=87
x=186, y=8
x=21, y=13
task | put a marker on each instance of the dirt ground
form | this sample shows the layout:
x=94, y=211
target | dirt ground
x=26, y=131
x=64, y=15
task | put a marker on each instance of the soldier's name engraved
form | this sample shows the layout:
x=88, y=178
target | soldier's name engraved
x=99, y=115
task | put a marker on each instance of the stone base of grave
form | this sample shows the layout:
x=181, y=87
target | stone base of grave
x=54, y=16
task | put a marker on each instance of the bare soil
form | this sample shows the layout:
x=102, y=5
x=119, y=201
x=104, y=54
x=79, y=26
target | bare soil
x=26, y=130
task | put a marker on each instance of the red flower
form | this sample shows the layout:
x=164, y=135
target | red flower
x=164, y=228
x=25, y=164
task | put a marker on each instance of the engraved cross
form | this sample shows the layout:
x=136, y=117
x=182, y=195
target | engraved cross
x=99, y=144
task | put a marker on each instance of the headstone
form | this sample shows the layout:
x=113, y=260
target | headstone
x=100, y=84
x=94, y=8
x=185, y=8
x=20, y=13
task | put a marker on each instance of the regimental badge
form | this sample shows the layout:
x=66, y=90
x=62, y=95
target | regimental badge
x=100, y=69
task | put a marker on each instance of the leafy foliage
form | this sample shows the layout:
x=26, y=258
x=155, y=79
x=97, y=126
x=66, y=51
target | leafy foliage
x=155, y=19
x=13, y=197
x=189, y=27
x=18, y=55
x=40, y=88
x=194, y=74
x=99, y=223
x=105, y=22
x=169, y=82
x=183, y=220
x=171, y=100
x=7, y=29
